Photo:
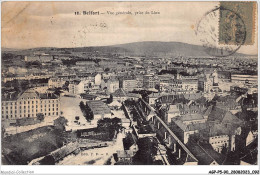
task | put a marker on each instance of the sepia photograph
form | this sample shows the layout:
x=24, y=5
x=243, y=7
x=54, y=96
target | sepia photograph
x=129, y=83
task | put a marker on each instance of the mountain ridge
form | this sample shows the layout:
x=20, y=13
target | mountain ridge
x=148, y=48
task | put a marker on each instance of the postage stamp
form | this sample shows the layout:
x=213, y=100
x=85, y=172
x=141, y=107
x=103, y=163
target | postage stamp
x=209, y=32
x=224, y=29
x=237, y=19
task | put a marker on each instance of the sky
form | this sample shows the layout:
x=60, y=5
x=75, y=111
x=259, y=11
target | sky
x=54, y=24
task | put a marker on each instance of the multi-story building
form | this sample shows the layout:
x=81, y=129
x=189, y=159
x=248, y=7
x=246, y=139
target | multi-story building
x=190, y=85
x=219, y=142
x=79, y=87
x=56, y=82
x=112, y=85
x=29, y=104
x=129, y=85
x=171, y=86
x=75, y=87
x=223, y=129
x=244, y=79
x=139, y=81
x=150, y=81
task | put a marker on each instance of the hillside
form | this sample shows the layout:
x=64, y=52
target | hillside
x=149, y=48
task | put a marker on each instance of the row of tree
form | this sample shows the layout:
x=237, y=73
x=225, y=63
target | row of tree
x=87, y=113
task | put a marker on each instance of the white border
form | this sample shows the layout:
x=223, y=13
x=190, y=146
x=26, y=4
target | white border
x=113, y=170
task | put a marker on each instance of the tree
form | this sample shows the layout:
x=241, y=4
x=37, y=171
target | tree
x=40, y=116
x=83, y=109
x=90, y=115
x=3, y=130
x=60, y=123
x=157, y=86
x=109, y=125
x=110, y=99
x=148, y=147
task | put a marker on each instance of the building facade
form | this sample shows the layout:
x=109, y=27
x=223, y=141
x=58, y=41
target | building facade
x=129, y=85
x=29, y=104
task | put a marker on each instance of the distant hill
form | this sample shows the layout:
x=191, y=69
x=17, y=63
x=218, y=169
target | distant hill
x=170, y=48
x=3, y=49
x=149, y=48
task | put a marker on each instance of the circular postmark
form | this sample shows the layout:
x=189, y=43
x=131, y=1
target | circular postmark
x=221, y=31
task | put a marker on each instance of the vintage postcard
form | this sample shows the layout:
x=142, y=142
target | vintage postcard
x=129, y=83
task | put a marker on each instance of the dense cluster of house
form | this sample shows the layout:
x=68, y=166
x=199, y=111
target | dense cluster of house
x=205, y=107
